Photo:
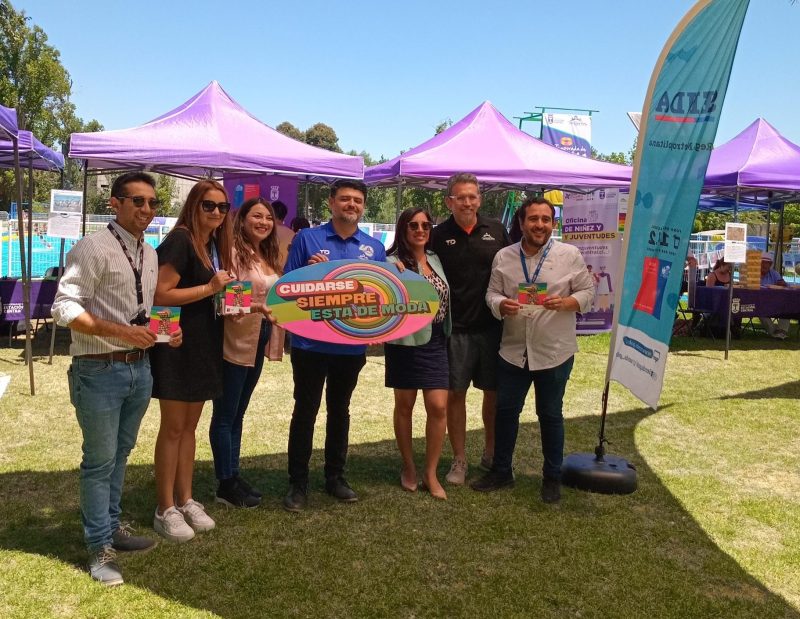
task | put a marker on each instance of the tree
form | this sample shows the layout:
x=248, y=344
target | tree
x=288, y=129
x=612, y=158
x=323, y=136
x=33, y=80
x=165, y=191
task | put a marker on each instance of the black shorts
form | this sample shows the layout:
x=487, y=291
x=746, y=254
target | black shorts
x=473, y=359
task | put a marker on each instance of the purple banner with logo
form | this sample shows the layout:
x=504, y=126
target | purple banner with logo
x=241, y=187
x=589, y=221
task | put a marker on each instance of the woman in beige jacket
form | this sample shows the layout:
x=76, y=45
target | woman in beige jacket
x=255, y=259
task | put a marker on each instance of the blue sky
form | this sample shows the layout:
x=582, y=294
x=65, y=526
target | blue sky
x=384, y=74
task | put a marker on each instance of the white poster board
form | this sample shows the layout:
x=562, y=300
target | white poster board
x=735, y=243
x=66, y=212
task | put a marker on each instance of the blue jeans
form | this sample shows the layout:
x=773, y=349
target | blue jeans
x=110, y=399
x=225, y=431
x=513, y=384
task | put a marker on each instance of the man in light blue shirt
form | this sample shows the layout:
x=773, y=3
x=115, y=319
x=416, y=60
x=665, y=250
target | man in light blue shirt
x=316, y=363
x=770, y=277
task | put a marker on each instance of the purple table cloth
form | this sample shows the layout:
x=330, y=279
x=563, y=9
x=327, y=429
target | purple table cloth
x=771, y=302
x=42, y=294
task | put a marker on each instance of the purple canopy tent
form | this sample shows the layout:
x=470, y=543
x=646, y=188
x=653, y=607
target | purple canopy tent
x=486, y=144
x=8, y=121
x=757, y=160
x=23, y=147
x=32, y=153
x=759, y=166
x=205, y=136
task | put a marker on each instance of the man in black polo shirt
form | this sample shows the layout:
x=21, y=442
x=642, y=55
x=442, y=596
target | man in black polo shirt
x=466, y=244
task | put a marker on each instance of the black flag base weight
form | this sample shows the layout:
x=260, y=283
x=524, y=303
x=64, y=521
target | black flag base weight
x=604, y=473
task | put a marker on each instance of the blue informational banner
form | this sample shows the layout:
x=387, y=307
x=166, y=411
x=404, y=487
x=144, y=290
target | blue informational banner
x=679, y=123
x=569, y=132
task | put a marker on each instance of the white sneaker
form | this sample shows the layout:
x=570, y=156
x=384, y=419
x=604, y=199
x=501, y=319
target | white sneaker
x=458, y=472
x=171, y=525
x=196, y=517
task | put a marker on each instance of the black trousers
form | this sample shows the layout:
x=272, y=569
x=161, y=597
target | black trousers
x=310, y=371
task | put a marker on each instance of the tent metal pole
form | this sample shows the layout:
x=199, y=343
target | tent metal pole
x=30, y=218
x=26, y=297
x=730, y=292
x=398, y=200
x=85, y=191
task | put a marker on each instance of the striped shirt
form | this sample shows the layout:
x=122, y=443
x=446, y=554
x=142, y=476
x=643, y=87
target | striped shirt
x=98, y=279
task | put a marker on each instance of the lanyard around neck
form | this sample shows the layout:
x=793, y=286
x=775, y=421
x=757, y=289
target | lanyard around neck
x=545, y=251
x=137, y=273
x=214, y=256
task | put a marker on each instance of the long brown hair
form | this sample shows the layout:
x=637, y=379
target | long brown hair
x=245, y=251
x=189, y=219
x=400, y=247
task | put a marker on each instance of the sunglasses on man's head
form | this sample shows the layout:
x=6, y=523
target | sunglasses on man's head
x=209, y=205
x=420, y=225
x=140, y=201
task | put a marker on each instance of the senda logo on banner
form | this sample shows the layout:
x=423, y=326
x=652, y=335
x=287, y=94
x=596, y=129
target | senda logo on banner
x=687, y=107
x=566, y=141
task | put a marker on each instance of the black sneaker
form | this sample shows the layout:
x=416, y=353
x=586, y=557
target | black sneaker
x=339, y=488
x=296, y=499
x=244, y=485
x=123, y=540
x=493, y=480
x=233, y=495
x=551, y=490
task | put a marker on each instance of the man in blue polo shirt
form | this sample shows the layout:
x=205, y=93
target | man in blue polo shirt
x=314, y=362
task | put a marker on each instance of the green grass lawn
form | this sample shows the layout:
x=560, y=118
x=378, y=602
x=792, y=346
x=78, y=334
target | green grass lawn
x=713, y=531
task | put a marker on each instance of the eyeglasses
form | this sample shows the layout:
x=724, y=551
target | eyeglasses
x=139, y=201
x=420, y=225
x=209, y=206
x=472, y=197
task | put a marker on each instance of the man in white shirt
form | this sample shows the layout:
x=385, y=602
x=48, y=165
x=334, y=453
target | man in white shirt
x=105, y=297
x=539, y=340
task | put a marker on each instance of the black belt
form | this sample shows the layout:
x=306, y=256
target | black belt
x=123, y=356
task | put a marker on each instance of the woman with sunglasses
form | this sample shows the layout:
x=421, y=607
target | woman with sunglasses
x=419, y=361
x=193, y=266
x=256, y=258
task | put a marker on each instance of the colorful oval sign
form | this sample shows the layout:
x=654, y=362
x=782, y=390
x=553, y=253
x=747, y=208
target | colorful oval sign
x=352, y=302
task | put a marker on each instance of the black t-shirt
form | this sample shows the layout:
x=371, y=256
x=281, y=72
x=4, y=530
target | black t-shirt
x=467, y=261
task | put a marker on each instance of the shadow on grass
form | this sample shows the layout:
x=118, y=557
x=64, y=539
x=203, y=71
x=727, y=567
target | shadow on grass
x=786, y=391
x=401, y=554
x=748, y=341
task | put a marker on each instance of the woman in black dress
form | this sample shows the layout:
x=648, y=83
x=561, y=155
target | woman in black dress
x=419, y=361
x=193, y=261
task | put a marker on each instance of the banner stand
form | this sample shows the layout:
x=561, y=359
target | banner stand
x=599, y=472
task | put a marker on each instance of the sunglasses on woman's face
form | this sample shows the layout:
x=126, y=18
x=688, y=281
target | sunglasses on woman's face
x=420, y=225
x=209, y=205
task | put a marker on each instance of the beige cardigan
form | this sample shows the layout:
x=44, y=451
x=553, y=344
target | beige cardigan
x=241, y=335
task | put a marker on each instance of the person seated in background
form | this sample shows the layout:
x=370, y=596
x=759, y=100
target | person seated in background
x=770, y=277
x=720, y=275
